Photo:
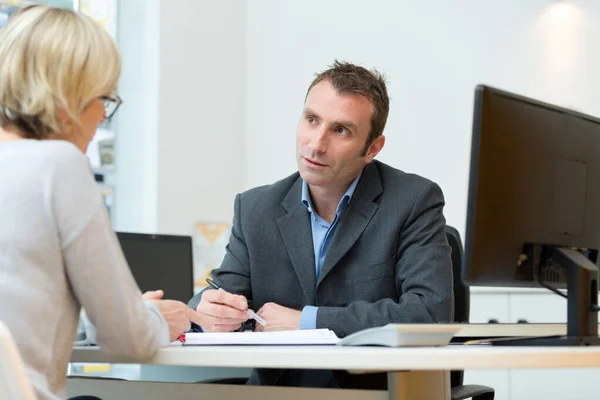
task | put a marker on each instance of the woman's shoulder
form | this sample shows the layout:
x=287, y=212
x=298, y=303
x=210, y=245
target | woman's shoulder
x=53, y=154
x=57, y=160
x=62, y=150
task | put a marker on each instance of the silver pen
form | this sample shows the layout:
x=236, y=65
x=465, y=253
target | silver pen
x=248, y=311
x=256, y=317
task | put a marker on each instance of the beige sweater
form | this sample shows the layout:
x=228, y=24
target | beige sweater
x=58, y=253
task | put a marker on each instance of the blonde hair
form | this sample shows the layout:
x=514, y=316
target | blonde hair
x=52, y=60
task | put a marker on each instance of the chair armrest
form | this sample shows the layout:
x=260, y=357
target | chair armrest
x=476, y=392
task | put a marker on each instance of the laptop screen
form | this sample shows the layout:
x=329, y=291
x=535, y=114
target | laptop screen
x=160, y=262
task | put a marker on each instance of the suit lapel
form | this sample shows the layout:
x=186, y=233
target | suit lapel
x=355, y=219
x=296, y=231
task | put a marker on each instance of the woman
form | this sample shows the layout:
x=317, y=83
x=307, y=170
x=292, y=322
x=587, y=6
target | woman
x=58, y=252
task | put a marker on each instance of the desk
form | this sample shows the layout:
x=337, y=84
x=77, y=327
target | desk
x=478, y=330
x=413, y=373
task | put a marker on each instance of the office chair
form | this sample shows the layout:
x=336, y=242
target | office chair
x=14, y=383
x=462, y=305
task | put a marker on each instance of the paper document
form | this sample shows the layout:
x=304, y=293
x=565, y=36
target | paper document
x=308, y=336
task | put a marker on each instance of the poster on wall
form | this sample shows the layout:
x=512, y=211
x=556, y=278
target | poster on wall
x=210, y=240
x=102, y=11
x=101, y=151
x=8, y=7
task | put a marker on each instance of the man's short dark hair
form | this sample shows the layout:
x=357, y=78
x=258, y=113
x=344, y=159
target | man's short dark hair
x=346, y=77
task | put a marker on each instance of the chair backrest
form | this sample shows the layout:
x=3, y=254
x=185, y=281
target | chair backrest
x=461, y=292
x=14, y=383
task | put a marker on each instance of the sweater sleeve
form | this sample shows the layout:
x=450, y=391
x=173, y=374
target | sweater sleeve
x=96, y=267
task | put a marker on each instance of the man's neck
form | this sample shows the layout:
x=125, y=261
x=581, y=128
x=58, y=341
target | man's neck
x=326, y=199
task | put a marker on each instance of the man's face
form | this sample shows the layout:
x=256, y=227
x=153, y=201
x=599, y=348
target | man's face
x=331, y=136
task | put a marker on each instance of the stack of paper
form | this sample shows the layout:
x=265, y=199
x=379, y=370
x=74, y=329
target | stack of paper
x=391, y=335
x=308, y=337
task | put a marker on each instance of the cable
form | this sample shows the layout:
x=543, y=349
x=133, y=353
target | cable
x=547, y=286
x=553, y=289
x=592, y=307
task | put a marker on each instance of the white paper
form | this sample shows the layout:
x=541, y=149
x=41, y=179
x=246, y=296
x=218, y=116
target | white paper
x=308, y=336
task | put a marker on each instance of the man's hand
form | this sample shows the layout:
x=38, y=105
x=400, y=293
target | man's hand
x=221, y=311
x=278, y=318
x=178, y=316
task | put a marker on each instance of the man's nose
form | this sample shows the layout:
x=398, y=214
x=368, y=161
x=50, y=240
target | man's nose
x=318, y=142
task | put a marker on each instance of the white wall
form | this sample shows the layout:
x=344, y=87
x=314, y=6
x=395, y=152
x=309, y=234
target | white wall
x=138, y=32
x=213, y=90
x=434, y=53
x=180, y=129
x=201, y=120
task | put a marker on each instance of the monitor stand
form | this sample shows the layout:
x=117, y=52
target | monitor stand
x=582, y=303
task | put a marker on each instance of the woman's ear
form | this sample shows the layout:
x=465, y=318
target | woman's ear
x=69, y=130
x=63, y=115
x=66, y=122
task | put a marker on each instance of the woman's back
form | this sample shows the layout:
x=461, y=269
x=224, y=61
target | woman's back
x=58, y=252
x=52, y=214
x=43, y=320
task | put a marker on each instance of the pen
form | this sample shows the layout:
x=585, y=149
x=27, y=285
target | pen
x=248, y=311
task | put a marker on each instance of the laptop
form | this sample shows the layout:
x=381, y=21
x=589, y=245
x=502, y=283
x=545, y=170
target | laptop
x=160, y=262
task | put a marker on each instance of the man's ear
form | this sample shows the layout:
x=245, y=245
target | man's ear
x=374, y=148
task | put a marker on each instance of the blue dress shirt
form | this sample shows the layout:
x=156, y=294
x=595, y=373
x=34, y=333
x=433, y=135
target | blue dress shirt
x=322, y=232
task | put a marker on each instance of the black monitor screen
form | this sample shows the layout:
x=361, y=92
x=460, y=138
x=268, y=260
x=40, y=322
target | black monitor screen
x=534, y=182
x=160, y=262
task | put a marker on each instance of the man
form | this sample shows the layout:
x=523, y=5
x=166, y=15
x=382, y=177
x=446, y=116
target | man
x=347, y=243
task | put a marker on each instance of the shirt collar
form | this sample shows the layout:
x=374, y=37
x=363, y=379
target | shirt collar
x=344, y=201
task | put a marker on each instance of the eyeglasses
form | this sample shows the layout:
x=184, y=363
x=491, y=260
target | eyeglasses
x=111, y=104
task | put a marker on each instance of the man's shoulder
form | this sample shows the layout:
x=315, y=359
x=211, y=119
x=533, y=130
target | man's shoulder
x=396, y=181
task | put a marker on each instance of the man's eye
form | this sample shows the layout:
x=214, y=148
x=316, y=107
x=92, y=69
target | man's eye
x=342, y=131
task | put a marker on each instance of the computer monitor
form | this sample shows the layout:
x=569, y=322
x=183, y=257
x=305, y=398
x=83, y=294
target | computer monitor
x=160, y=262
x=533, y=216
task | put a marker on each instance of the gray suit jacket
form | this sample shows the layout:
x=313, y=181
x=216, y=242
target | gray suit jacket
x=388, y=261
